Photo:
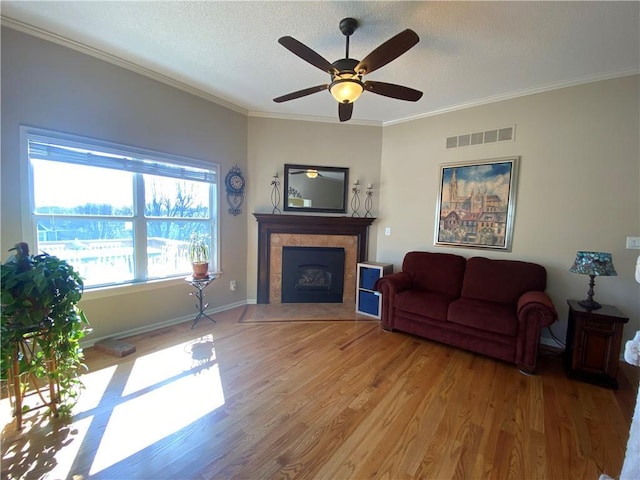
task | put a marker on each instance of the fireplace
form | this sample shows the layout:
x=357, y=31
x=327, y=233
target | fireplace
x=278, y=231
x=312, y=274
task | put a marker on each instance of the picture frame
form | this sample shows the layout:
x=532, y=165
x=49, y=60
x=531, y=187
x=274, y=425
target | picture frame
x=476, y=204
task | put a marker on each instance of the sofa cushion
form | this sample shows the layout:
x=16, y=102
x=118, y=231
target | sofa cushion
x=501, y=281
x=420, y=302
x=435, y=272
x=494, y=317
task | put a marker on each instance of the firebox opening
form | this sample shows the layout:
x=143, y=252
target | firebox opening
x=313, y=277
x=312, y=274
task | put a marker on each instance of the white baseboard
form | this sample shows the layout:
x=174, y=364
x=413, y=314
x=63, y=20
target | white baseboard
x=154, y=326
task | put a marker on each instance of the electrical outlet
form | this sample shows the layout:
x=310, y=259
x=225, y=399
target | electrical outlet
x=233, y=285
x=387, y=231
x=633, y=243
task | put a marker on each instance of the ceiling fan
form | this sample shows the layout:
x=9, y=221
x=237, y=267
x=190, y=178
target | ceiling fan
x=346, y=74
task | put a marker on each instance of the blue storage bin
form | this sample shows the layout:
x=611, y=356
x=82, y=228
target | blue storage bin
x=368, y=277
x=369, y=302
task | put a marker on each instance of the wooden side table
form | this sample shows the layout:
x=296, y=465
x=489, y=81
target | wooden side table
x=593, y=344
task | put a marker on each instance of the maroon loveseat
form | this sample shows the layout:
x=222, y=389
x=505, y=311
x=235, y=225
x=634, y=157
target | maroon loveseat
x=493, y=307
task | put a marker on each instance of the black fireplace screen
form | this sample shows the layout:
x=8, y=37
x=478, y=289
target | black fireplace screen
x=312, y=274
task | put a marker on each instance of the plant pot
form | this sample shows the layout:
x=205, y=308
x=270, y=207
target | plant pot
x=200, y=270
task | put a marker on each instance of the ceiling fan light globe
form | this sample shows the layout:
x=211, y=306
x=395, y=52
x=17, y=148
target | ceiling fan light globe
x=346, y=90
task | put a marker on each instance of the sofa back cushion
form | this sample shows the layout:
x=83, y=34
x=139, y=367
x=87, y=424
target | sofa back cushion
x=435, y=272
x=502, y=281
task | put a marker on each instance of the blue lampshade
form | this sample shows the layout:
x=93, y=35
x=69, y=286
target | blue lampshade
x=594, y=263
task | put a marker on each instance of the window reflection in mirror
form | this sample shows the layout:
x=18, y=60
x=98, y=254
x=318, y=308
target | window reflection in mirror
x=315, y=189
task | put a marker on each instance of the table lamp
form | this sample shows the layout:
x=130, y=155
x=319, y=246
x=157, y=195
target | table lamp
x=593, y=264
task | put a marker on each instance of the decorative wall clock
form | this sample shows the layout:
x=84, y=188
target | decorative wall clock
x=235, y=183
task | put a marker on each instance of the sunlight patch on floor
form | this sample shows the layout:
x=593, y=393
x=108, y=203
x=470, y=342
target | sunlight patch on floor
x=65, y=457
x=58, y=454
x=130, y=406
x=152, y=416
x=95, y=386
x=157, y=367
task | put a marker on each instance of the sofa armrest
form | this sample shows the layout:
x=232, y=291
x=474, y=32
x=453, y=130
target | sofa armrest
x=535, y=311
x=389, y=286
x=396, y=282
x=537, y=303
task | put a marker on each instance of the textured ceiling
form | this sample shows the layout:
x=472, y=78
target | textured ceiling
x=469, y=52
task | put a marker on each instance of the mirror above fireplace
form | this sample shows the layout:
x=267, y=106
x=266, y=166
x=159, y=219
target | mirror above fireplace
x=309, y=188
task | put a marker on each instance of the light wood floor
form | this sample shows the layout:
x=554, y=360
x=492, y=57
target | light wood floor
x=330, y=400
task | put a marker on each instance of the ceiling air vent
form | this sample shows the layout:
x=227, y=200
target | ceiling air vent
x=504, y=134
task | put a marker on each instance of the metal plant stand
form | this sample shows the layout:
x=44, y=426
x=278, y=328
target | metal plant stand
x=199, y=285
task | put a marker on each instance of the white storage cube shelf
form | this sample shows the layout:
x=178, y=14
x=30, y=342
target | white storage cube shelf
x=369, y=301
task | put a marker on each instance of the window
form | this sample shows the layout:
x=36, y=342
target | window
x=118, y=214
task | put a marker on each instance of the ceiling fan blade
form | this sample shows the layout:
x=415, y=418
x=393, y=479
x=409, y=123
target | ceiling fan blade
x=344, y=111
x=300, y=93
x=388, y=51
x=394, y=91
x=305, y=53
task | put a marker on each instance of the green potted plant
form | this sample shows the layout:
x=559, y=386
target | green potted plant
x=39, y=297
x=199, y=255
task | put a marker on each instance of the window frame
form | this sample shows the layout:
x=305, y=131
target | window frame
x=29, y=219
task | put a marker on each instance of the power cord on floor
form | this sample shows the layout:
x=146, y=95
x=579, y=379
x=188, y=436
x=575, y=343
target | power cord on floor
x=556, y=339
x=550, y=350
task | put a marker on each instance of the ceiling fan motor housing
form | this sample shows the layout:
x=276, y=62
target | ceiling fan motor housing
x=346, y=85
x=346, y=65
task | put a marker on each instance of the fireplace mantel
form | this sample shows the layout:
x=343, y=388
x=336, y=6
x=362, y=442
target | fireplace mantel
x=304, y=224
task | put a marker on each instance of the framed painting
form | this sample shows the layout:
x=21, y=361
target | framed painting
x=476, y=204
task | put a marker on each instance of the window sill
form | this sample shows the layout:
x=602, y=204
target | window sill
x=126, y=289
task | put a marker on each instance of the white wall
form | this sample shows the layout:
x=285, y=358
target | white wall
x=578, y=186
x=49, y=86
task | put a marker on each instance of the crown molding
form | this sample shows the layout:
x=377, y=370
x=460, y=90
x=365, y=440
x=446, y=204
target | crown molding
x=96, y=53
x=310, y=118
x=107, y=57
x=519, y=93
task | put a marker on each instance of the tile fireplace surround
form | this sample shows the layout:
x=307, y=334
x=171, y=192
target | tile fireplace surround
x=277, y=231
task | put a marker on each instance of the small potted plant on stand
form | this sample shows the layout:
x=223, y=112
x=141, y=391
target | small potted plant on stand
x=41, y=328
x=199, y=255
